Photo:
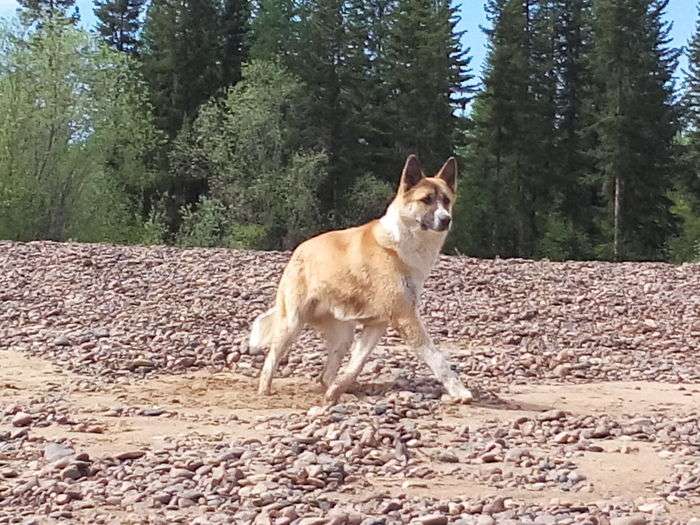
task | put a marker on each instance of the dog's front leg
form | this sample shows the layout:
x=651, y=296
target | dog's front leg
x=416, y=336
x=361, y=348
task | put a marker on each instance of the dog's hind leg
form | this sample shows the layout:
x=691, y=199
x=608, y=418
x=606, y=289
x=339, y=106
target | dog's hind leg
x=283, y=334
x=361, y=348
x=339, y=336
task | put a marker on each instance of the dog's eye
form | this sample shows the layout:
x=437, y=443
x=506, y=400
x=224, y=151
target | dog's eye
x=446, y=201
x=428, y=199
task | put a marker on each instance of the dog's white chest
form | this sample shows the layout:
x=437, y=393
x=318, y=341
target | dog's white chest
x=418, y=250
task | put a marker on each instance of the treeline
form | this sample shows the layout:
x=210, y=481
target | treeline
x=257, y=124
x=577, y=146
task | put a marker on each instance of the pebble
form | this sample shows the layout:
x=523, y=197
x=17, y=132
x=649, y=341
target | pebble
x=22, y=419
x=130, y=454
x=629, y=520
x=56, y=451
x=551, y=415
x=432, y=519
x=527, y=323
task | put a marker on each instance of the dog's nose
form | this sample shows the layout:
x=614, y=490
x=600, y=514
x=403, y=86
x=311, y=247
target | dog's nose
x=445, y=222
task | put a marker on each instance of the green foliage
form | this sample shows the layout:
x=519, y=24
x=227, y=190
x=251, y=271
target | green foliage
x=181, y=59
x=75, y=135
x=510, y=145
x=273, y=31
x=685, y=247
x=635, y=121
x=246, y=236
x=427, y=73
x=39, y=12
x=235, y=26
x=577, y=101
x=118, y=23
x=154, y=229
x=577, y=106
x=367, y=199
x=561, y=240
x=690, y=145
x=257, y=170
x=202, y=224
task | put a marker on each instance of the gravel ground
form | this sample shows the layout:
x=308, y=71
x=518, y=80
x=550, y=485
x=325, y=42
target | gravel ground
x=128, y=396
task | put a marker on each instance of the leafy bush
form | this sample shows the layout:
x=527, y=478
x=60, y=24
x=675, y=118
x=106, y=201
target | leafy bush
x=685, y=247
x=202, y=224
x=561, y=241
x=75, y=131
x=154, y=229
x=367, y=199
x=246, y=236
x=257, y=171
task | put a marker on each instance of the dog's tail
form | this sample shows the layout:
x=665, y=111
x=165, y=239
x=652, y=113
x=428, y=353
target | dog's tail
x=261, y=331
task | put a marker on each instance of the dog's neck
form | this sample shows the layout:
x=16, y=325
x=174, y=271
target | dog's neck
x=417, y=248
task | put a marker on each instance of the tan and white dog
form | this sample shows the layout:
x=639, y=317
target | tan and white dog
x=371, y=275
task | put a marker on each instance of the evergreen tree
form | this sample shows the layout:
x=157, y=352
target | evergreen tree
x=181, y=58
x=319, y=62
x=199, y=55
x=510, y=146
x=427, y=74
x=691, y=101
x=235, y=22
x=273, y=31
x=118, y=23
x=160, y=62
x=373, y=22
x=636, y=121
x=576, y=192
x=33, y=11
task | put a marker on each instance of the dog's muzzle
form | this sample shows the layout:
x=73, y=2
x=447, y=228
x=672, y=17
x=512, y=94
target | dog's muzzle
x=443, y=223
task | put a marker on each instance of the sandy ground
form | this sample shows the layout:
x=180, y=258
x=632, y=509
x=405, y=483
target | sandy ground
x=204, y=399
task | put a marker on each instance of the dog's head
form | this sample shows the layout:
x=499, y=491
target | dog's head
x=427, y=201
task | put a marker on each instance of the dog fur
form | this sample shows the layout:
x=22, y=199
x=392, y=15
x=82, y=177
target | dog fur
x=370, y=276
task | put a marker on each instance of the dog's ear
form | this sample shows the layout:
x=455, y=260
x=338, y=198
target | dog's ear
x=412, y=173
x=448, y=173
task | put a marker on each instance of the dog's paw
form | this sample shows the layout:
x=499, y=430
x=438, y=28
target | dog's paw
x=264, y=391
x=463, y=397
x=332, y=396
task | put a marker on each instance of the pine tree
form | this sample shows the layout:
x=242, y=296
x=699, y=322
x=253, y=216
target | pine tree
x=692, y=79
x=510, y=146
x=691, y=103
x=319, y=61
x=159, y=62
x=364, y=91
x=199, y=55
x=33, y=11
x=636, y=120
x=572, y=56
x=181, y=58
x=373, y=22
x=118, y=23
x=235, y=23
x=428, y=77
x=273, y=31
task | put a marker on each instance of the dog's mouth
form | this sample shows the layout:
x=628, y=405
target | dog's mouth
x=432, y=227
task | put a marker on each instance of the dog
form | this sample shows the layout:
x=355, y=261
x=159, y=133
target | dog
x=370, y=276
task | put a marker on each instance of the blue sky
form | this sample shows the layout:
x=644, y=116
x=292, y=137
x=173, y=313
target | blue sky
x=681, y=12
